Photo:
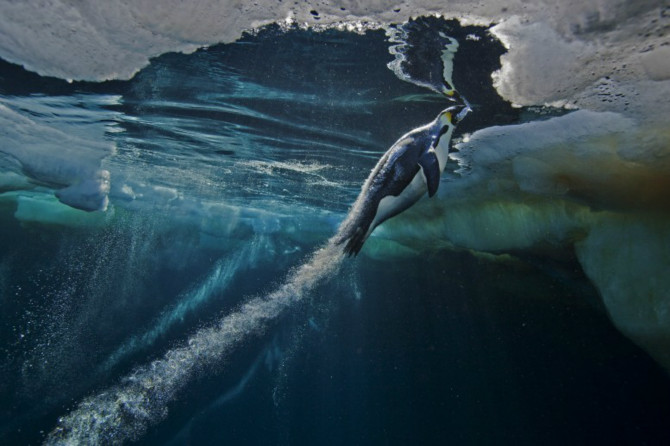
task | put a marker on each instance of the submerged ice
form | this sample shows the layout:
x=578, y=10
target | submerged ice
x=32, y=127
x=566, y=181
x=254, y=149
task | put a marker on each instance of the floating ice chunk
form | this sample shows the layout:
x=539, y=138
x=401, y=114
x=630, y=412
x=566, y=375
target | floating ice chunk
x=40, y=208
x=89, y=194
x=125, y=192
x=164, y=194
x=487, y=225
x=57, y=145
x=536, y=176
x=534, y=157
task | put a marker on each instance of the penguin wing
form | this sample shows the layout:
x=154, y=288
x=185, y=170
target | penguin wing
x=431, y=170
x=398, y=170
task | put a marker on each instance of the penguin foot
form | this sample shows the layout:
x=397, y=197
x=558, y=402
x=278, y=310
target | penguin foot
x=354, y=242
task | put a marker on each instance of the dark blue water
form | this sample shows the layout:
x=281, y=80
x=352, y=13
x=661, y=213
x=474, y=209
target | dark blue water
x=227, y=168
x=457, y=359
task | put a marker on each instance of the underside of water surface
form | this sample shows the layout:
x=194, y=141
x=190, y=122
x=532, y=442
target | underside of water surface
x=171, y=184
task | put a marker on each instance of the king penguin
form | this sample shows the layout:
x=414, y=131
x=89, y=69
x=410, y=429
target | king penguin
x=411, y=167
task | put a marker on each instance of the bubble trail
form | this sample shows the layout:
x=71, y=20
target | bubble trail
x=124, y=412
x=215, y=283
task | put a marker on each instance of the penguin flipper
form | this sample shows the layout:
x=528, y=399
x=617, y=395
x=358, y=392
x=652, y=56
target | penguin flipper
x=431, y=170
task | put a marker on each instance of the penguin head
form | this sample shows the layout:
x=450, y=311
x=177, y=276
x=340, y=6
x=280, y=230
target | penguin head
x=454, y=114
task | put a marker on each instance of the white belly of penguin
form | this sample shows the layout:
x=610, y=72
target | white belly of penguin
x=393, y=205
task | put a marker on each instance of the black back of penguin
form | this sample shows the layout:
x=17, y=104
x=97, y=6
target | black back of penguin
x=394, y=174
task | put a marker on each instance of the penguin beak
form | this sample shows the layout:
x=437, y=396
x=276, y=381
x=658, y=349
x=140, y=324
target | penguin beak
x=458, y=112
